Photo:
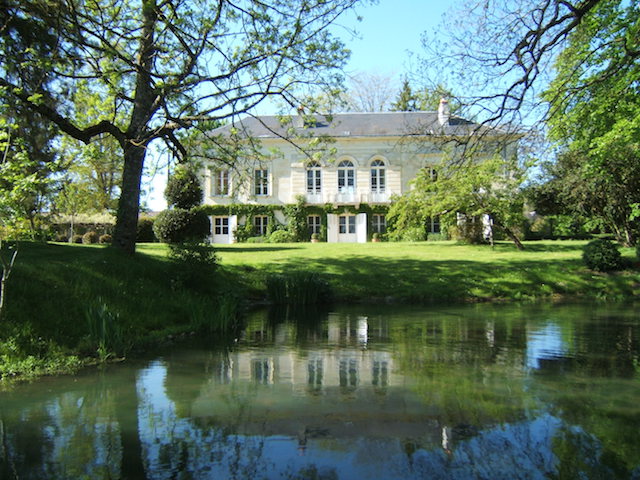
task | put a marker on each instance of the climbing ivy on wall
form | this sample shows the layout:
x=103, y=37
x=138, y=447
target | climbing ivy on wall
x=296, y=213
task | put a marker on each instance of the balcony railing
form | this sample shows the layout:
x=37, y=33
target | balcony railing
x=349, y=196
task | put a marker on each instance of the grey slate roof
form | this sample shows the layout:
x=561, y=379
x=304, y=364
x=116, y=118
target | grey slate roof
x=384, y=124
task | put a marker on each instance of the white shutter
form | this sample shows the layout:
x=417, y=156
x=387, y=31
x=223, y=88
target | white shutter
x=233, y=225
x=361, y=228
x=332, y=228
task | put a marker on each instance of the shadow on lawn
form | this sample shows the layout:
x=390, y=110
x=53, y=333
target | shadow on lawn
x=367, y=278
x=266, y=248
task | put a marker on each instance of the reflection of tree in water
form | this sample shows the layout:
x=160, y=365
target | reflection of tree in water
x=596, y=390
x=470, y=371
x=73, y=434
x=581, y=455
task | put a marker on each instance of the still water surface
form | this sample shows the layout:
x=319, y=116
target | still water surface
x=491, y=392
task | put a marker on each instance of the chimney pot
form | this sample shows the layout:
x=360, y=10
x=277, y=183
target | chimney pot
x=444, y=113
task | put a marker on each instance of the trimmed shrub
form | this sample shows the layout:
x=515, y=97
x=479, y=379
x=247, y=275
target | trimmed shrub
x=90, y=237
x=106, y=238
x=180, y=225
x=183, y=188
x=602, y=255
x=281, y=236
x=77, y=238
x=193, y=254
x=145, y=230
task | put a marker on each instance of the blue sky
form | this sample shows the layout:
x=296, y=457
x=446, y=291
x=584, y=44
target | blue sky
x=387, y=43
x=389, y=31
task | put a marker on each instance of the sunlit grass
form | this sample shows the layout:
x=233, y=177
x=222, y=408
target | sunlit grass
x=433, y=271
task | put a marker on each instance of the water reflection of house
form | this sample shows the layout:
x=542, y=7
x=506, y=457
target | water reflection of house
x=342, y=358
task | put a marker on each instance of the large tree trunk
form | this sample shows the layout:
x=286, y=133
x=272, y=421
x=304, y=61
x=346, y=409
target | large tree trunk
x=124, y=235
x=134, y=146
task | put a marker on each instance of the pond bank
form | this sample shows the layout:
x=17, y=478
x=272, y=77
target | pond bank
x=71, y=305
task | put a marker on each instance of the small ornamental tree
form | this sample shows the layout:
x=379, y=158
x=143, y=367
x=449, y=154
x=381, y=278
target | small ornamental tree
x=179, y=225
x=182, y=222
x=183, y=188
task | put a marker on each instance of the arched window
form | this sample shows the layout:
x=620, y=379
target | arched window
x=346, y=176
x=314, y=179
x=378, y=183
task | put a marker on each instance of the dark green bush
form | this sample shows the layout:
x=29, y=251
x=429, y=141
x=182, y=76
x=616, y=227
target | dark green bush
x=180, y=225
x=183, y=188
x=193, y=254
x=602, y=255
x=194, y=265
x=90, y=237
x=145, y=230
x=106, y=238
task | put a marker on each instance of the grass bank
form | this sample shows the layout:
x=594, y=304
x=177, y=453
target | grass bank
x=69, y=304
x=433, y=271
x=72, y=304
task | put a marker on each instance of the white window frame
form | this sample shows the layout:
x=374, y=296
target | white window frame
x=261, y=225
x=346, y=176
x=221, y=225
x=378, y=223
x=347, y=224
x=314, y=224
x=261, y=182
x=314, y=178
x=433, y=225
x=220, y=182
x=378, y=176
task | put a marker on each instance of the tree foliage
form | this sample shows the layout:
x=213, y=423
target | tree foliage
x=165, y=66
x=25, y=185
x=500, y=52
x=183, y=188
x=425, y=99
x=595, y=119
x=488, y=186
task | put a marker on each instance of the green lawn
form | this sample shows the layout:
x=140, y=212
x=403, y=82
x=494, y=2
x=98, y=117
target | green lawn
x=431, y=271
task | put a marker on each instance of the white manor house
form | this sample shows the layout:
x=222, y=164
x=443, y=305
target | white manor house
x=346, y=194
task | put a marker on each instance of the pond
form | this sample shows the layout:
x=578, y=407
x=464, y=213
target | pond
x=362, y=392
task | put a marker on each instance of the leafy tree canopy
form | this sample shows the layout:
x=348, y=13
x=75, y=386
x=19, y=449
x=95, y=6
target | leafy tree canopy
x=488, y=186
x=594, y=118
x=164, y=66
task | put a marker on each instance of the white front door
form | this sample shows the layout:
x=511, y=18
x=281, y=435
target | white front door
x=347, y=229
x=222, y=229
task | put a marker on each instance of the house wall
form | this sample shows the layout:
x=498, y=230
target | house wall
x=288, y=176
